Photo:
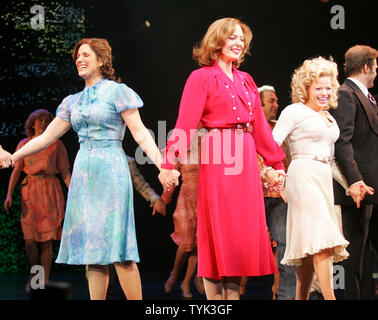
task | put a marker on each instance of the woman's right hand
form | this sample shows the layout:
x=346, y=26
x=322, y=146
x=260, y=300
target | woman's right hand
x=8, y=203
x=5, y=158
x=358, y=191
x=272, y=177
x=169, y=178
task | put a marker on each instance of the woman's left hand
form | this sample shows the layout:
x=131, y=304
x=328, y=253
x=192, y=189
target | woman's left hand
x=276, y=178
x=272, y=177
x=5, y=158
x=169, y=178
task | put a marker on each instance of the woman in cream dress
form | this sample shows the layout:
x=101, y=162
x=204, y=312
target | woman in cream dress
x=314, y=239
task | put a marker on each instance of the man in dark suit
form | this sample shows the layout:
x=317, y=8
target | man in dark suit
x=356, y=152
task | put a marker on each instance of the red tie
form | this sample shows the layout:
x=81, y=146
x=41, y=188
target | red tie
x=371, y=98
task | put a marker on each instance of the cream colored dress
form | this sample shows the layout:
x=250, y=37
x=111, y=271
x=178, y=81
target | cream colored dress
x=312, y=222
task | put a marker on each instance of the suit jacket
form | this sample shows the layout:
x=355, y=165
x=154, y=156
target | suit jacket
x=356, y=150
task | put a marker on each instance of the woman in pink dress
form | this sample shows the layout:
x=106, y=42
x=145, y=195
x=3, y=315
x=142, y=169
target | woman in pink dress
x=42, y=199
x=231, y=228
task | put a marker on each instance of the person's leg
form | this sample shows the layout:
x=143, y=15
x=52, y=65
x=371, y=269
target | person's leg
x=324, y=272
x=31, y=250
x=277, y=227
x=198, y=281
x=112, y=278
x=355, y=229
x=190, y=271
x=305, y=274
x=98, y=280
x=213, y=288
x=180, y=259
x=231, y=288
x=370, y=263
x=276, y=277
x=46, y=256
x=243, y=285
x=129, y=278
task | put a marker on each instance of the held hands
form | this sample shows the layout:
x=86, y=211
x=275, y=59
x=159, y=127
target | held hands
x=5, y=158
x=358, y=191
x=276, y=178
x=169, y=178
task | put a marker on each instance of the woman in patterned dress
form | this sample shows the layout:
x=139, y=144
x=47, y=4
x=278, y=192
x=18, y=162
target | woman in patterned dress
x=42, y=199
x=185, y=223
x=99, y=226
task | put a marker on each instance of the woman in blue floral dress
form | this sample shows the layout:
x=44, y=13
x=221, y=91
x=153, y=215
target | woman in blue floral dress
x=99, y=224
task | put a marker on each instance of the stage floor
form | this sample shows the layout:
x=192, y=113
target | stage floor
x=12, y=287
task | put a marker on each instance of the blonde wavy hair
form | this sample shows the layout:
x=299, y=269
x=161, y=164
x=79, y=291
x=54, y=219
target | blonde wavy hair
x=310, y=71
x=210, y=48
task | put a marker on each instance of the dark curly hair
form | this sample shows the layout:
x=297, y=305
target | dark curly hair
x=37, y=114
x=103, y=51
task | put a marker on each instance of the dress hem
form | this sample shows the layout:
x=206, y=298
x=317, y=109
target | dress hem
x=97, y=263
x=338, y=255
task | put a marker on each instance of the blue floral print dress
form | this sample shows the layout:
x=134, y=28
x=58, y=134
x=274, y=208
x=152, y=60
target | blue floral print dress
x=99, y=225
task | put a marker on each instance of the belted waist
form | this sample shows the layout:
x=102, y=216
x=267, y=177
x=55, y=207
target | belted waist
x=92, y=144
x=239, y=128
x=316, y=157
x=37, y=176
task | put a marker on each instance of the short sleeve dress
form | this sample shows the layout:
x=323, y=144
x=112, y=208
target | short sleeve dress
x=99, y=226
x=42, y=199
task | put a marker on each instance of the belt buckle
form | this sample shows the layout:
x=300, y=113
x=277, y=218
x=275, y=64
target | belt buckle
x=321, y=159
x=239, y=129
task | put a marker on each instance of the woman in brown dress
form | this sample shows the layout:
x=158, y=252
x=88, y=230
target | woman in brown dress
x=42, y=199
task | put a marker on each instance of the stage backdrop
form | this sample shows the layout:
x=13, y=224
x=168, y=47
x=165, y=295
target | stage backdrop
x=152, y=44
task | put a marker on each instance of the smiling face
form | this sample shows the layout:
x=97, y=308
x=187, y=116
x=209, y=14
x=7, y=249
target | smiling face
x=319, y=93
x=87, y=63
x=233, y=45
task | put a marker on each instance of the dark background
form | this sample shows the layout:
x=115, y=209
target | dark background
x=36, y=70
